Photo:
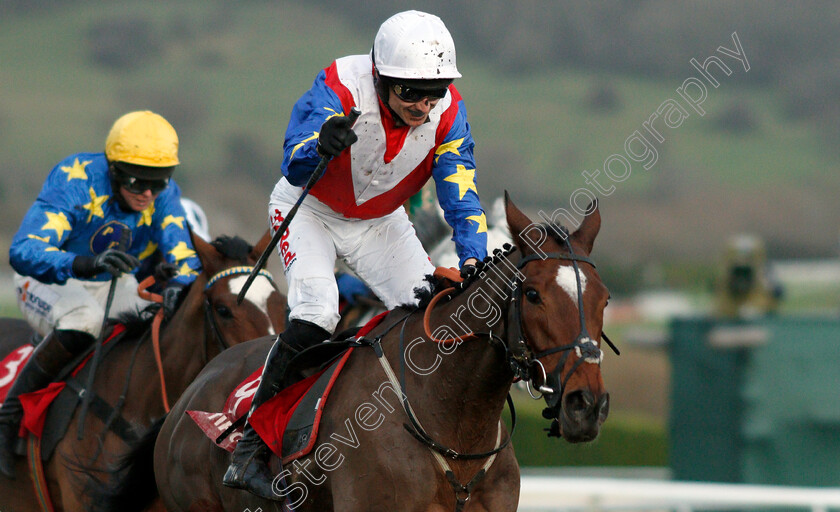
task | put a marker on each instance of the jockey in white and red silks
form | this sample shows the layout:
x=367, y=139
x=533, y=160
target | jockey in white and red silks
x=413, y=127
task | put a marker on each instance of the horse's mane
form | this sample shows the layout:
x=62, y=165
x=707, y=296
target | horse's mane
x=233, y=247
x=557, y=232
x=424, y=294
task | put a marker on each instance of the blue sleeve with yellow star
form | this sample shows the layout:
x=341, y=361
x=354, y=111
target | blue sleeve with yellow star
x=76, y=214
x=300, y=156
x=38, y=248
x=172, y=235
x=455, y=181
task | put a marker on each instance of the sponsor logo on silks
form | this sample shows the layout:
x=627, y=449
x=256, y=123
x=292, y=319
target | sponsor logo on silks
x=22, y=291
x=32, y=301
x=288, y=257
x=108, y=237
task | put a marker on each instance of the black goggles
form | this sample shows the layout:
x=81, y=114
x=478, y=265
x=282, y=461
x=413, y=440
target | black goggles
x=139, y=186
x=413, y=94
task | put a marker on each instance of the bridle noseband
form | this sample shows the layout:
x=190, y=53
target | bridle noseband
x=525, y=363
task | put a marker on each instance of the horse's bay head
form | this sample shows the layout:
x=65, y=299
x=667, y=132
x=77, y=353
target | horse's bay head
x=227, y=262
x=562, y=314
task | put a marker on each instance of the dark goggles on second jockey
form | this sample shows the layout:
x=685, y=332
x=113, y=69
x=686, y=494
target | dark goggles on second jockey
x=138, y=185
x=411, y=94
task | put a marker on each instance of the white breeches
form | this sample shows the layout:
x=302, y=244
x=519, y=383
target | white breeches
x=384, y=252
x=75, y=305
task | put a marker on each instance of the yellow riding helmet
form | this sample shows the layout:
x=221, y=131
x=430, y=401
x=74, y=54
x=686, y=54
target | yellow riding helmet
x=143, y=138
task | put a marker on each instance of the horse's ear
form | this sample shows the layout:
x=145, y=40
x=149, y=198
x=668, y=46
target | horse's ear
x=258, y=249
x=589, y=227
x=209, y=256
x=518, y=223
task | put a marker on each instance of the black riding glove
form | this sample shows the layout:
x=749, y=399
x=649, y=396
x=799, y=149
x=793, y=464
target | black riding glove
x=468, y=271
x=171, y=298
x=113, y=261
x=336, y=135
x=165, y=271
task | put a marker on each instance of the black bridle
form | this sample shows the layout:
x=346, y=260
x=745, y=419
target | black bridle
x=524, y=362
x=520, y=358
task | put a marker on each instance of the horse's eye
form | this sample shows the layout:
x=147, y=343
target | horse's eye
x=224, y=311
x=532, y=295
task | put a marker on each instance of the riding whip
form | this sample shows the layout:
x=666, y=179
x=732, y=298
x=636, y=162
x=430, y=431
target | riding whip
x=125, y=236
x=316, y=175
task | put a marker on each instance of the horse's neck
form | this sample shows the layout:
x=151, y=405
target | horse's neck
x=483, y=307
x=467, y=384
x=183, y=346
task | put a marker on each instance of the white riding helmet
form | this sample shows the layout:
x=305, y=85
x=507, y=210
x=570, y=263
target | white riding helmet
x=197, y=218
x=414, y=45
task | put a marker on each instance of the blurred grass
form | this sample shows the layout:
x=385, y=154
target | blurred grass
x=811, y=299
x=9, y=309
x=626, y=439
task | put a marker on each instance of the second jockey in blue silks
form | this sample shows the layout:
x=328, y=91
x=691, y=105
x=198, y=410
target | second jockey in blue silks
x=68, y=249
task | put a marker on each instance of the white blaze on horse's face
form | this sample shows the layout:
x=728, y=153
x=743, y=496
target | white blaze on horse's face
x=258, y=294
x=566, y=280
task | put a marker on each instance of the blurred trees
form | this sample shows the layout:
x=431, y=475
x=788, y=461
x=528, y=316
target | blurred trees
x=122, y=43
x=787, y=43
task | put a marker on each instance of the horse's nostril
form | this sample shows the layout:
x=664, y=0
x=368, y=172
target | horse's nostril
x=603, y=407
x=579, y=401
x=604, y=401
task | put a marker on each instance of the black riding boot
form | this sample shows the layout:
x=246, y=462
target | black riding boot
x=49, y=357
x=249, y=463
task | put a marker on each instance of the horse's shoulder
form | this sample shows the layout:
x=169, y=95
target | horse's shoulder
x=224, y=373
x=242, y=357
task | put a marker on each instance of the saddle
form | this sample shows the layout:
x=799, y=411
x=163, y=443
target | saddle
x=47, y=412
x=288, y=423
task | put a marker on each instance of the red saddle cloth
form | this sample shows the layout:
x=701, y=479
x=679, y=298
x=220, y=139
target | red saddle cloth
x=10, y=367
x=271, y=418
x=36, y=403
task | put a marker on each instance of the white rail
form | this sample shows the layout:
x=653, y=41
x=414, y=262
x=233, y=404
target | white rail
x=555, y=494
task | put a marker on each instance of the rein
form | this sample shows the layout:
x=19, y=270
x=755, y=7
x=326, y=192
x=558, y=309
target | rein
x=418, y=432
x=428, y=314
x=439, y=451
x=525, y=363
x=156, y=322
x=210, y=319
x=520, y=356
